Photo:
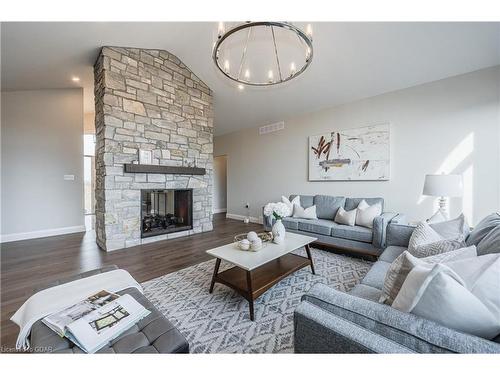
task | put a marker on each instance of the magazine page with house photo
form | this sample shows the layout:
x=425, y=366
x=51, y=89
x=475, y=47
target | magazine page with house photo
x=94, y=330
x=60, y=320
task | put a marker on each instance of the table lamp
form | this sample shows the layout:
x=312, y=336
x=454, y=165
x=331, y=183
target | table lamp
x=443, y=186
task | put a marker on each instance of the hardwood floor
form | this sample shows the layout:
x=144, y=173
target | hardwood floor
x=26, y=265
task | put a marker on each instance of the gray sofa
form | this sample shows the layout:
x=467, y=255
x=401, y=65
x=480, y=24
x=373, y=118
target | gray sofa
x=330, y=321
x=152, y=334
x=352, y=238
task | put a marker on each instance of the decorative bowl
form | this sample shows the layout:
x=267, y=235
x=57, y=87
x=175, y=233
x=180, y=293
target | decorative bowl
x=242, y=242
x=264, y=236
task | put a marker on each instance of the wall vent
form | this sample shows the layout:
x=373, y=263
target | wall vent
x=272, y=128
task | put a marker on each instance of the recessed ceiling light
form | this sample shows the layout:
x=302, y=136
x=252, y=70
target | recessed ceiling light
x=75, y=79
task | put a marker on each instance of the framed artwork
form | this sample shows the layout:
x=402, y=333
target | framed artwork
x=145, y=157
x=351, y=154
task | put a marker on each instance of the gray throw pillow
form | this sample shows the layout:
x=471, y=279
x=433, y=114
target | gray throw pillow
x=452, y=229
x=490, y=243
x=483, y=228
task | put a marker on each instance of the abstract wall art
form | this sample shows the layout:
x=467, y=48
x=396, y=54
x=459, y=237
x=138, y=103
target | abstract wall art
x=351, y=154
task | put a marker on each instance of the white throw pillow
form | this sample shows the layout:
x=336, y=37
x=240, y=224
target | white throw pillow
x=366, y=214
x=461, y=294
x=304, y=213
x=425, y=241
x=290, y=204
x=403, y=264
x=346, y=217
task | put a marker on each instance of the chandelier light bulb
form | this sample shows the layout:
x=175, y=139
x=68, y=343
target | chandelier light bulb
x=293, y=69
x=247, y=74
x=309, y=31
x=270, y=76
x=226, y=66
x=241, y=87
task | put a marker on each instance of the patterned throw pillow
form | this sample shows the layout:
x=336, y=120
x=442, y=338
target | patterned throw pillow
x=438, y=247
x=403, y=264
x=425, y=242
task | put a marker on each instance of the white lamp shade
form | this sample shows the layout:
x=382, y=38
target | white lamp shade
x=443, y=185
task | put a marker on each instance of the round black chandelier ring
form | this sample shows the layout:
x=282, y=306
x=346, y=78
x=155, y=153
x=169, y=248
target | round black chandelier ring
x=284, y=25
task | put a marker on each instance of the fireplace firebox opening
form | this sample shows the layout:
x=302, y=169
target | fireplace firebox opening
x=166, y=211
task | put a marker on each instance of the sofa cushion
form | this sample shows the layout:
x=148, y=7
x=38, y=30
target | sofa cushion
x=399, y=234
x=391, y=253
x=355, y=233
x=352, y=203
x=305, y=200
x=483, y=228
x=290, y=223
x=320, y=226
x=327, y=206
x=366, y=292
x=376, y=276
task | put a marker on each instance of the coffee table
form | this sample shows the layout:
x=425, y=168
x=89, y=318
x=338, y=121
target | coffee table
x=256, y=272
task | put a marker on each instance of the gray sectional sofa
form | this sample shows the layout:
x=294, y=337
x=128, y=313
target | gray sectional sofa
x=330, y=321
x=352, y=238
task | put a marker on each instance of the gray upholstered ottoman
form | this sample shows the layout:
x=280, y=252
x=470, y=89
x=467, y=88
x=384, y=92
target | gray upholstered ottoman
x=153, y=334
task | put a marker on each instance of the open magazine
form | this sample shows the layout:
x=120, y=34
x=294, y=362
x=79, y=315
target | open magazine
x=100, y=318
x=61, y=319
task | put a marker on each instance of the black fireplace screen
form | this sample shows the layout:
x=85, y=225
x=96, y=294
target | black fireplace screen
x=166, y=211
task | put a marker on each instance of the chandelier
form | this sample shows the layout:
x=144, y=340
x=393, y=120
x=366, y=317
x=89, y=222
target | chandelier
x=262, y=53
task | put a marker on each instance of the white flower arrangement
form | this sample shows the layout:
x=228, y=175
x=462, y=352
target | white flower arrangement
x=279, y=210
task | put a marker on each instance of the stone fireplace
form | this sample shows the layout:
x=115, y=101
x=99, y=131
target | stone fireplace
x=149, y=100
x=166, y=211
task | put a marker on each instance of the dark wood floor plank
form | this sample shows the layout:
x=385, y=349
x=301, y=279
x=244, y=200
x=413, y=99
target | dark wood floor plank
x=29, y=264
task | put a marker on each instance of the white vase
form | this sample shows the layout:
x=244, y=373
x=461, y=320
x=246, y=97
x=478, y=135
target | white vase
x=278, y=231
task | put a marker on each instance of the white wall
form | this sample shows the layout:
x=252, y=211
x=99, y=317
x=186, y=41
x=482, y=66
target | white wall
x=450, y=126
x=220, y=184
x=42, y=140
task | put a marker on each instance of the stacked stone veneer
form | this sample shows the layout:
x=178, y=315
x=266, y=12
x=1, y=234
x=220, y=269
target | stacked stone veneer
x=148, y=100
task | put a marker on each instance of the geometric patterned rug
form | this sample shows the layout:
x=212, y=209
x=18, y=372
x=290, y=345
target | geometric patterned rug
x=220, y=322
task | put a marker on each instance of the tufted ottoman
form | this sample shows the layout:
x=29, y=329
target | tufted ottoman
x=153, y=334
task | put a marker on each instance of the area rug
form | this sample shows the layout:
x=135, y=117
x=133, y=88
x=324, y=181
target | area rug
x=219, y=322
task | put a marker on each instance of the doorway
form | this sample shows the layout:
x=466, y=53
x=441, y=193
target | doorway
x=89, y=179
x=220, y=184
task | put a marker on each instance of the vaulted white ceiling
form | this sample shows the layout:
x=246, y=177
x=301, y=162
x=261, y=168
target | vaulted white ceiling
x=351, y=61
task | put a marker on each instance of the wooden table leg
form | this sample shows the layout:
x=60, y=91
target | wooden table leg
x=308, y=251
x=216, y=271
x=250, y=293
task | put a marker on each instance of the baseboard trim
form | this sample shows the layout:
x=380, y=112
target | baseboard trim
x=41, y=233
x=253, y=219
x=219, y=210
